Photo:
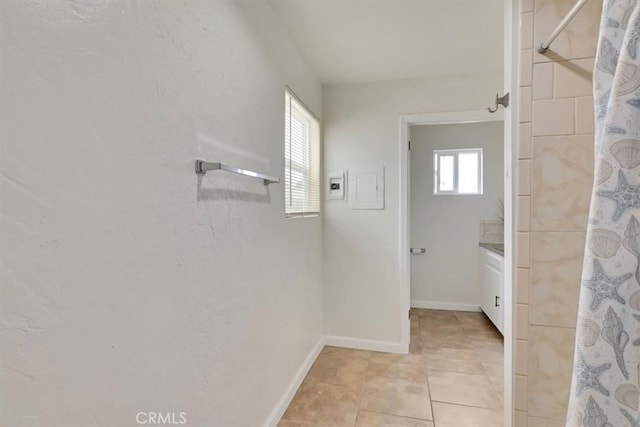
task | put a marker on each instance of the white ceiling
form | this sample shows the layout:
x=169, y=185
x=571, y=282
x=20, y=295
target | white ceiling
x=354, y=41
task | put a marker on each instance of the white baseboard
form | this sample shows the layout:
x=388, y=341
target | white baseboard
x=445, y=306
x=283, y=404
x=362, y=344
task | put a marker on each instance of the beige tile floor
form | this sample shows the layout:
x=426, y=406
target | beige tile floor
x=451, y=378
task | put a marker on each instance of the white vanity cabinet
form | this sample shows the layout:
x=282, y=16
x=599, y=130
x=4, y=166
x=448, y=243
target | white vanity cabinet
x=492, y=286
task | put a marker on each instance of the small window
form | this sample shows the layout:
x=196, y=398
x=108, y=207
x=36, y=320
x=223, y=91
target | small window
x=302, y=159
x=457, y=171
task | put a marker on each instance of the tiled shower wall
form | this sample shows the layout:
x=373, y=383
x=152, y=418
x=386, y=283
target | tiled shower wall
x=554, y=180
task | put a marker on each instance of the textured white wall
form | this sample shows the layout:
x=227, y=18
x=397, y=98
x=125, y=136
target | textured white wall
x=129, y=284
x=447, y=226
x=361, y=248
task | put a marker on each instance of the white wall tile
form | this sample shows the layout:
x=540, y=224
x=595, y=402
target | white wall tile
x=556, y=267
x=526, y=30
x=525, y=104
x=573, y=78
x=577, y=40
x=526, y=67
x=523, y=248
x=523, y=213
x=584, y=115
x=545, y=422
x=522, y=286
x=542, y=81
x=520, y=393
x=522, y=322
x=553, y=117
x=524, y=141
x=524, y=178
x=521, y=357
x=549, y=380
x=561, y=182
x=520, y=419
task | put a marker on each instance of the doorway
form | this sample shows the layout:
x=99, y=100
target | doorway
x=407, y=258
x=509, y=116
x=456, y=200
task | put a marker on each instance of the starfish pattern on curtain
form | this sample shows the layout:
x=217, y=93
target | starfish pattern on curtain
x=605, y=384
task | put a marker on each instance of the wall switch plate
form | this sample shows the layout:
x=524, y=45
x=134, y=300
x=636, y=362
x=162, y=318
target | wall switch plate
x=335, y=185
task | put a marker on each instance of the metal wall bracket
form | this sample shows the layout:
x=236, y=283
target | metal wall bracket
x=500, y=100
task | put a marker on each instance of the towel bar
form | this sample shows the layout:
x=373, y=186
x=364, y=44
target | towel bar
x=202, y=167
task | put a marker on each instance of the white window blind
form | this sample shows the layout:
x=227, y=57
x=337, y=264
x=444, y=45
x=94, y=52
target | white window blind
x=302, y=159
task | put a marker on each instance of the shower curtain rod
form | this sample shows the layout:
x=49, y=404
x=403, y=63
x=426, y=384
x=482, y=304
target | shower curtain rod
x=544, y=46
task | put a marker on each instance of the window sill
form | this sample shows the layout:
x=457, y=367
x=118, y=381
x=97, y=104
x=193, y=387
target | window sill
x=458, y=194
x=306, y=215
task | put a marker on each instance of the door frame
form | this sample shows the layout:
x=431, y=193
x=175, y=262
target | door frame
x=458, y=117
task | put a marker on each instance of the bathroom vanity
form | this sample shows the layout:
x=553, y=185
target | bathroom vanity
x=492, y=283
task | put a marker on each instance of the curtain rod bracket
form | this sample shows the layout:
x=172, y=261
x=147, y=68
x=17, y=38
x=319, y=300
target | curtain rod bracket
x=544, y=46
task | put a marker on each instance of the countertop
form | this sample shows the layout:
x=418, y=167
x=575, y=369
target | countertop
x=493, y=247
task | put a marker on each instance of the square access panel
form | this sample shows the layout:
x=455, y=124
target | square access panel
x=366, y=188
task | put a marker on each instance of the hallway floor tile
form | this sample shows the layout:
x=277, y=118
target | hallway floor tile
x=452, y=378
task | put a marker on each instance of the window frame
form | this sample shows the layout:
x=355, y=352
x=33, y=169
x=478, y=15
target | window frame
x=313, y=153
x=455, y=153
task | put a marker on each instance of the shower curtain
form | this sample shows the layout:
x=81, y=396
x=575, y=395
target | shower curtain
x=604, y=389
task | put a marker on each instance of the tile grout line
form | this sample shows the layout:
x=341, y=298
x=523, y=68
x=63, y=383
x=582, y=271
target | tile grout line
x=366, y=375
x=426, y=376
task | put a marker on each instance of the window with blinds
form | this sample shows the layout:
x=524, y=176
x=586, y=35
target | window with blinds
x=302, y=159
